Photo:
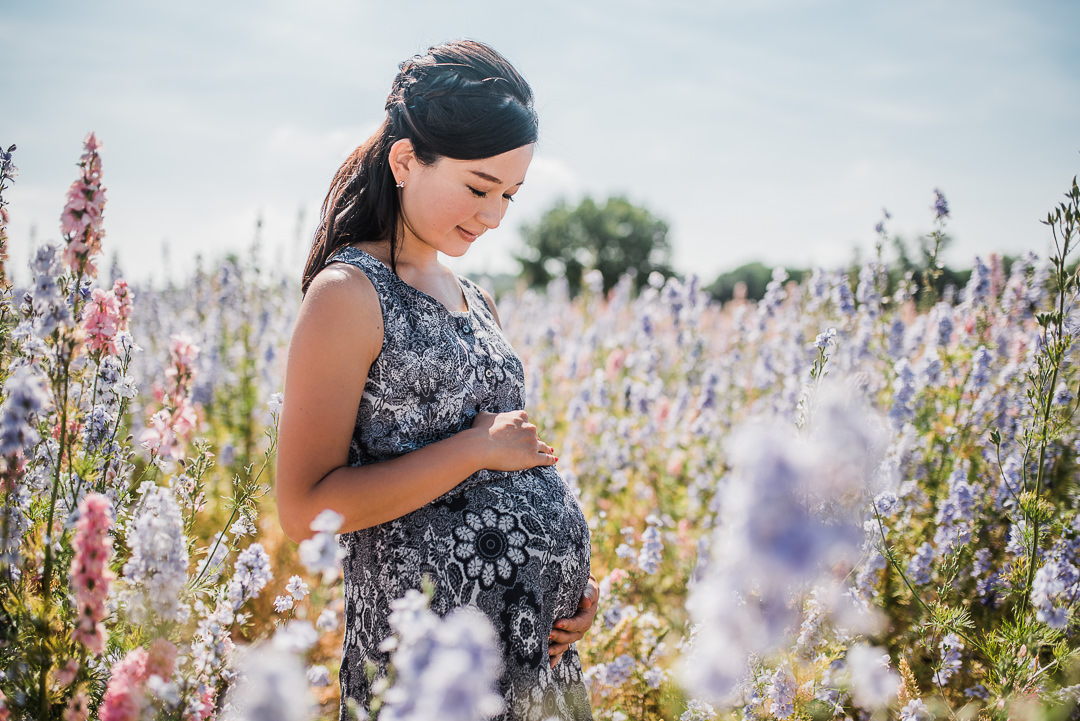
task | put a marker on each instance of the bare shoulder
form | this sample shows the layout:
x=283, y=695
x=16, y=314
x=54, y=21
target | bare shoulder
x=491, y=304
x=341, y=302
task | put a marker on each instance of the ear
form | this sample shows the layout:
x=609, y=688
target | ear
x=402, y=159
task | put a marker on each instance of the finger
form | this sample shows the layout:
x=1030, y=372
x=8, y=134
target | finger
x=555, y=660
x=578, y=623
x=565, y=637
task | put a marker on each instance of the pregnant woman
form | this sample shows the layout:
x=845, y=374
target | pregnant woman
x=404, y=402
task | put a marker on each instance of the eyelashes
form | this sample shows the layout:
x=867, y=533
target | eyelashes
x=483, y=193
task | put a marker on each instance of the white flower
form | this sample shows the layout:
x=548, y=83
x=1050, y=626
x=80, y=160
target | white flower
x=297, y=588
x=873, y=682
x=283, y=603
x=327, y=621
x=318, y=675
x=296, y=637
x=250, y=576
x=155, y=576
x=328, y=521
x=915, y=710
x=242, y=527
x=321, y=553
x=274, y=405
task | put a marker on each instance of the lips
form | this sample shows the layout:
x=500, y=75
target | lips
x=467, y=234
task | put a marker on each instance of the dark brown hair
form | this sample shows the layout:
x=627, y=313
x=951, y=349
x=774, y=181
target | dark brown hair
x=460, y=100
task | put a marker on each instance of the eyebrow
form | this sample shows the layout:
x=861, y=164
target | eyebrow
x=489, y=178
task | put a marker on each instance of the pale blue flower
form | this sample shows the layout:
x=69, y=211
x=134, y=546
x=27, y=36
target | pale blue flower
x=270, y=686
x=25, y=398
x=445, y=668
x=781, y=692
x=652, y=549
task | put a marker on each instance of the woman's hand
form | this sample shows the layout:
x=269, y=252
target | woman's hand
x=569, y=630
x=510, y=442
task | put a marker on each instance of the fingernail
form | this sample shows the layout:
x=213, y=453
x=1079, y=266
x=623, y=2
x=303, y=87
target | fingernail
x=556, y=459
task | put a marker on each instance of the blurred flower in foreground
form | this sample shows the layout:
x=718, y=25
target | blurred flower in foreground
x=791, y=519
x=271, y=686
x=321, y=553
x=444, y=668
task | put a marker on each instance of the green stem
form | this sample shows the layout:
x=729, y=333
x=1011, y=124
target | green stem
x=46, y=577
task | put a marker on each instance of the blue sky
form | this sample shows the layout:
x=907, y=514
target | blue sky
x=772, y=130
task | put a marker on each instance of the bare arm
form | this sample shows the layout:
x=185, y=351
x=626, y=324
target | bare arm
x=338, y=334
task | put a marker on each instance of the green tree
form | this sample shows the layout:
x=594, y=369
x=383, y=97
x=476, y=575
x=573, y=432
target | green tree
x=615, y=238
x=754, y=276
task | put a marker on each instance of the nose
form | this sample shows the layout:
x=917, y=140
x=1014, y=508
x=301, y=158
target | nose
x=491, y=213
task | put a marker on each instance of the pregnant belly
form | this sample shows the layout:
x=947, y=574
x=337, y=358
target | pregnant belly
x=520, y=532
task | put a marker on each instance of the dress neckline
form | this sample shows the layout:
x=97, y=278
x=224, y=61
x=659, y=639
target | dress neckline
x=422, y=294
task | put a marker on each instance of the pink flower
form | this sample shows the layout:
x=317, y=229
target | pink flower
x=206, y=707
x=122, y=294
x=183, y=353
x=159, y=436
x=162, y=659
x=81, y=219
x=78, y=709
x=89, y=570
x=184, y=418
x=125, y=697
x=102, y=321
x=5, y=713
x=65, y=675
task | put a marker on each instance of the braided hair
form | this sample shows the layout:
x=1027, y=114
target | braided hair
x=459, y=100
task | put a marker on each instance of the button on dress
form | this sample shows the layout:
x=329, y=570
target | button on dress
x=515, y=545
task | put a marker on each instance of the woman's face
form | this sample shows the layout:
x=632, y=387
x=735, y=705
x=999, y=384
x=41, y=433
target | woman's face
x=449, y=204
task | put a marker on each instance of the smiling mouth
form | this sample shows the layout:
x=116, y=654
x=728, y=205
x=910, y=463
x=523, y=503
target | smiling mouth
x=467, y=234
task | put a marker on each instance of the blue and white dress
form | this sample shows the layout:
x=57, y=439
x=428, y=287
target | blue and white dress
x=513, y=544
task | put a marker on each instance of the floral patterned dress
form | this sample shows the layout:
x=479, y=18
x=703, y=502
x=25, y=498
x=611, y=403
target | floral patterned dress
x=513, y=544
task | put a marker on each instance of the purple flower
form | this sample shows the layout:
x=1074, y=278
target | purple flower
x=977, y=289
x=921, y=564
x=951, y=646
x=781, y=693
x=940, y=206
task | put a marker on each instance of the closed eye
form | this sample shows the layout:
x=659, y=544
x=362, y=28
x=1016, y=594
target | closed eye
x=483, y=193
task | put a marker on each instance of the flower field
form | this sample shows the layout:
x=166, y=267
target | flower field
x=854, y=498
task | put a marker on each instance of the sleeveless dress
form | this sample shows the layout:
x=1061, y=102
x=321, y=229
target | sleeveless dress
x=515, y=545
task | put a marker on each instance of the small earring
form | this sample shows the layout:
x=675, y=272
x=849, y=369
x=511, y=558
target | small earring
x=401, y=184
